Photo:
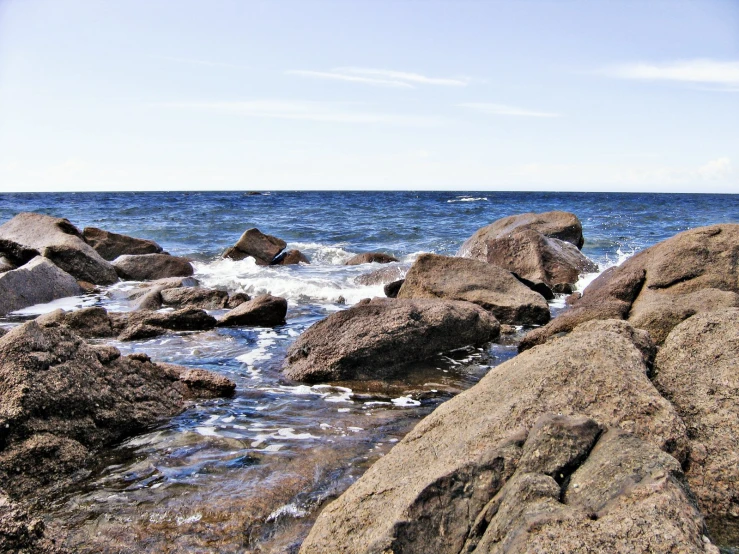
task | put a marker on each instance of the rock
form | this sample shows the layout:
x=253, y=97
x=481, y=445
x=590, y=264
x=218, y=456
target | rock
x=111, y=245
x=28, y=235
x=538, y=258
x=237, y=299
x=657, y=288
x=148, y=267
x=6, y=264
x=697, y=369
x=37, y=282
x=23, y=534
x=201, y=383
x=391, y=289
x=486, y=285
x=370, y=258
x=559, y=225
x=93, y=322
x=146, y=324
x=151, y=301
x=375, y=339
x=538, y=286
x=263, y=248
x=195, y=297
x=263, y=311
x=291, y=257
x=432, y=486
x=382, y=276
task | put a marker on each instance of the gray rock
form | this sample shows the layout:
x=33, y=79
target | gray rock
x=195, y=297
x=370, y=258
x=148, y=267
x=391, y=290
x=111, y=245
x=263, y=311
x=383, y=275
x=263, y=248
x=146, y=324
x=37, y=282
x=6, y=264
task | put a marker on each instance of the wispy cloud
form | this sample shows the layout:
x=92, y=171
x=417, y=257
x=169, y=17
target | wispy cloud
x=380, y=77
x=504, y=109
x=699, y=71
x=304, y=110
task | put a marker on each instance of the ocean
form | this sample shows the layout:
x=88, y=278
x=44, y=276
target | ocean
x=252, y=471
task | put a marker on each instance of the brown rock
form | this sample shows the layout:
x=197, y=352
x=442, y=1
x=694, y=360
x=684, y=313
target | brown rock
x=148, y=267
x=376, y=339
x=23, y=534
x=199, y=382
x=195, y=297
x=146, y=324
x=263, y=248
x=37, y=282
x=486, y=285
x=370, y=258
x=263, y=311
x=111, y=245
x=28, y=235
x=291, y=257
x=559, y=225
x=391, y=290
x=92, y=322
x=237, y=299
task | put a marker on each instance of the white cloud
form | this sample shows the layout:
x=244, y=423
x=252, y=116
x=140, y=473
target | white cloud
x=699, y=71
x=503, y=109
x=380, y=77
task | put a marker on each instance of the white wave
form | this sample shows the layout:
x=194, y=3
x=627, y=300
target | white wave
x=405, y=402
x=467, y=199
x=190, y=519
x=287, y=510
x=68, y=304
x=587, y=278
x=327, y=254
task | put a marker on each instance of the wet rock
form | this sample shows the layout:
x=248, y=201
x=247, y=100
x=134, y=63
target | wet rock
x=391, y=289
x=538, y=258
x=22, y=533
x=291, y=257
x=195, y=297
x=237, y=299
x=199, y=382
x=486, y=285
x=432, y=486
x=263, y=248
x=37, y=282
x=382, y=276
x=537, y=286
x=692, y=272
x=146, y=324
x=377, y=338
x=28, y=235
x=559, y=225
x=6, y=264
x=263, y=311
x=697, y=369
x=371, y=258
x=148, y=267
x=111, y=245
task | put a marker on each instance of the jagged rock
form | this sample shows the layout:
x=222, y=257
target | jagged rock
x=146, y=324
x=697, y=369
x=375, y=339
x=61, y=399
x=692, y=272
x=263, y=248
x=28, y=235
x=148, y=267
x=291, y=257
x=200, y=383
x=486, y=285
x=371, y=257
x=391, y=290
x=383, y=275
x=195, y=297
x=431, y=487
x=37, y=282
x=263, y=311
x=111, y=245
x=559, y=225
x=6, y=264
x=21, y=533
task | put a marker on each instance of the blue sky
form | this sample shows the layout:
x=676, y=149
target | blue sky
x=417, y=94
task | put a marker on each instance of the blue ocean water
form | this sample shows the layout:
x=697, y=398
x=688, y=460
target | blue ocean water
x=252, y=471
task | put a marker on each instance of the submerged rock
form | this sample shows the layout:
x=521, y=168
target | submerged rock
x=37, y=282
x=146, y=324
x=29, y=234
x=263, y=311
x=149, y=267
x=111, y=245
x=263, y=248
x=291, y=257
x=375, y=339
x=486, y=285
x=370, y=258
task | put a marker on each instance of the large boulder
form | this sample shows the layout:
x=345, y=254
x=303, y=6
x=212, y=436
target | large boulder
x=427, y=493
x=149, y=267
x=37, y=282
x=488, y=286
x=28, y=235
x=692, y=272
x=370, y=258
x=263, y=248
x=263, y=311
x=21, y=533
x=111, y=245
x=61, y=399
x=697, y=369
x=559, y=225
x=375, y=339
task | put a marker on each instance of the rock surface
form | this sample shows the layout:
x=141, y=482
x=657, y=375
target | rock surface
x=6, y=264
x=195, y=297
x=697, y=369
x=37, y=282
x=559, y=225
x=692, y=272
x=382, y=276
x=21, y=533
x=29, y=234
x=149, y=267
x=263, y=248
x=391, y=290
x=263, y=311
x=111, y=245
x=434, y=485
x=374, y=339
x=488, y=286
x=370, y=258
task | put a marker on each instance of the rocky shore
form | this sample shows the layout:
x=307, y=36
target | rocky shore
x=614, y=429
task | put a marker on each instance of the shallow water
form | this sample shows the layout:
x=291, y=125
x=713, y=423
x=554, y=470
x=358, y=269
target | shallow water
x=250, y=473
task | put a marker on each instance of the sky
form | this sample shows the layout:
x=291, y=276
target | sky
x=593, y=95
